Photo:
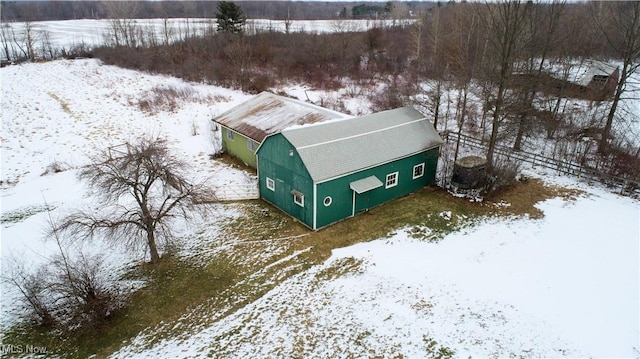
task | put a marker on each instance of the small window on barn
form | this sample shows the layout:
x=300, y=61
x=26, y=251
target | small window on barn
x=418, y=170
x=230, y=134
x=251, y=145
x=271, y=184
x=327, y=201
x=298, y=198
x=392, y=180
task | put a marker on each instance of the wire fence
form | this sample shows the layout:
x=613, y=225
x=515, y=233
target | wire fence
x=582, y=171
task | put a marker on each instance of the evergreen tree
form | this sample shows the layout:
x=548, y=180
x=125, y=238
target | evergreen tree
x=230, y=17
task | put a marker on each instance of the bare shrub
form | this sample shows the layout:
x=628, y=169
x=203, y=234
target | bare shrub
x=55, y=167
x=503, y=173
x=164, y=98
x=257, y=83
x=354, y=89
x=35, y=299
x=334, y=103
x=620, y=168
x=68, y=292
x=389, y=98
x=445, y=165
x=79, y=50
x=85, y=295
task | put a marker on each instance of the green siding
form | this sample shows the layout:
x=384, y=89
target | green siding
x=238, y=147
x=342, y=196
x=288, y=173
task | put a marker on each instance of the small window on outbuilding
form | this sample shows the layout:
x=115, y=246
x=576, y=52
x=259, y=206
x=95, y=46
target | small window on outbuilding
x=230, y=134
x=298, y=198
x=418, y=170
x=271, y=184
x=599, y=80
x=251, y=145
x=392, y=180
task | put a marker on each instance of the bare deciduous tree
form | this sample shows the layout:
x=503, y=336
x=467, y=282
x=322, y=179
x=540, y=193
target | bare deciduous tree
x=26, y=40
x=620, y=25
x=436, y=68
x=505, y=26
x=462, y=56
x=416, y=31
x=5, y=40
x=542, y=27
x=123, y=30
x=142, y=188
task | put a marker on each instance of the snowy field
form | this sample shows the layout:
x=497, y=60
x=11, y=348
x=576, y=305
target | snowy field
x=563, y=286
x=566, y=285
x=70, y=33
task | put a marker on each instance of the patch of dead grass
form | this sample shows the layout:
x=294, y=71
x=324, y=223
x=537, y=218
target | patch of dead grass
x=63, y=103
x=520, y=199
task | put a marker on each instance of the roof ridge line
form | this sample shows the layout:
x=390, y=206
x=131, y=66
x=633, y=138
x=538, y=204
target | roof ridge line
x=361, y=134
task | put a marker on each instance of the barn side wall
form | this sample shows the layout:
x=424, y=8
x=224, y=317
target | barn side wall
x=238, y=147
x=341, y=203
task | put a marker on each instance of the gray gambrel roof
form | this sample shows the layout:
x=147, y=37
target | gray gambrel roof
x=336, y=148
x=266, y=114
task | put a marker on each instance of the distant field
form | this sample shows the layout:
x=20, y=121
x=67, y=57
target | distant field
x=69, y=33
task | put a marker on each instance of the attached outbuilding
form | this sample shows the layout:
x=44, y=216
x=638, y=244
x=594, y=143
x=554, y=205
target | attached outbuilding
x=245, y=126
x=324, y=173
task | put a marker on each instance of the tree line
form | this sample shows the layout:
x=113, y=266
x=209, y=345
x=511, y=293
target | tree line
x=297, y=10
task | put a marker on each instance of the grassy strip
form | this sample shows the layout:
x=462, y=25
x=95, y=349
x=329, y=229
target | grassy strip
x=23, y=213
x=265, y=248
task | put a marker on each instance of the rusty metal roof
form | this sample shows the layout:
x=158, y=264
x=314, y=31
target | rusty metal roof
x=266, y=114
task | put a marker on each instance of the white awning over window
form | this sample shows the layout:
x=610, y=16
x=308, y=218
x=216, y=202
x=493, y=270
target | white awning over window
x=365, y=184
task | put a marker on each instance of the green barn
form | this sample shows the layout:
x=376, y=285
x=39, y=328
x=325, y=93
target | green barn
x=245, y=126
x=323, y=173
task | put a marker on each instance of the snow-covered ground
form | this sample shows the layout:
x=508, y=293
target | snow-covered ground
x=562, y=286
x=566, y=285
x=90, y=33
x=62, y=111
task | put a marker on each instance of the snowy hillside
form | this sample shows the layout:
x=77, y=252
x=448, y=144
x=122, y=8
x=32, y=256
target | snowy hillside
x=566, y=285
x=56, y=114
